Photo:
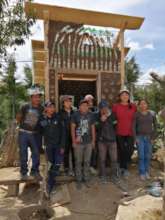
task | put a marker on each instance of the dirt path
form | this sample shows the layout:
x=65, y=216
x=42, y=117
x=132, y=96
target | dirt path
x=99, y=202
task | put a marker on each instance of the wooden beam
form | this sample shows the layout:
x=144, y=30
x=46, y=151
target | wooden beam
x=46, y=48
x=56, y=91
x=64, y=14
x=117, y=40
x=98, y=87
x=122, y=66
x=37, y=44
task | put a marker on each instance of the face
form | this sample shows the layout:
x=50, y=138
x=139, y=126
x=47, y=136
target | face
x=124, y=97
x=143, y=105
x=104, y=111
x=50, y=110
x=83, y=108
x=68, y=103
x=36, y=100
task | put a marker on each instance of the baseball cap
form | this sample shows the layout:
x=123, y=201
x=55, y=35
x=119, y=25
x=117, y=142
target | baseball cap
x=124, y=89
x=83, y=101
x=35, y=90
x=49, y=103
x=89, y=96
x=66, y=97
x=103, y=104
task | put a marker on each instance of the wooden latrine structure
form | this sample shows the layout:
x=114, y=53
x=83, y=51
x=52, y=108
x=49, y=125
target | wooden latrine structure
x=73, y=59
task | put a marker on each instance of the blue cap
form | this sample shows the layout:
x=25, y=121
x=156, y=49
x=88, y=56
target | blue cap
x=103, y=104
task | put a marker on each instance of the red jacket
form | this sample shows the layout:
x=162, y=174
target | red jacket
x=125, y=117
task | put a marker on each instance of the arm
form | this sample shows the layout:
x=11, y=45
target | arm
x=155, y=126
x=93, y=135
x=135, y=126
x=73, y=133
x=63, y=135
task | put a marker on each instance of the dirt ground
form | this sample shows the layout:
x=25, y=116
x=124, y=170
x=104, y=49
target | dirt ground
x=99, y=202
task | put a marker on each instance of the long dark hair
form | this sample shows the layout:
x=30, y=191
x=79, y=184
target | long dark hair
x=129, y=101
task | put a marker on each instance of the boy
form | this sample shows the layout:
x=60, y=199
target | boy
x=83, y=139
x=54, y=139
x=107, y=141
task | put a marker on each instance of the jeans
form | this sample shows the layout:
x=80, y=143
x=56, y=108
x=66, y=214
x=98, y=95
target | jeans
x=144, y=153
x=111, y=149
x=28, y=140
x=82, y=154
x=125, y=146
x=55, y=158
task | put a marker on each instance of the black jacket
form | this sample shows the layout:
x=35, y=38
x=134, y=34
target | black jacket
x=106, y=129
x=53, y=130
x=66, y=118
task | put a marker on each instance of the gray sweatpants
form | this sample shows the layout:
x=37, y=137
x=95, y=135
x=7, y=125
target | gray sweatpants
x=82, y=153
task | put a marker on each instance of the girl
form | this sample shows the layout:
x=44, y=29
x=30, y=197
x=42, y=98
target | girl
x=124, y=111
x=145, y=130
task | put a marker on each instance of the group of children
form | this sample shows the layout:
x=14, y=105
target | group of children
x=74, y=137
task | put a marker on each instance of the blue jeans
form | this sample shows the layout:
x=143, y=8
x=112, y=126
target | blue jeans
x=55, y=158
x=28, y=140
x=144, y=153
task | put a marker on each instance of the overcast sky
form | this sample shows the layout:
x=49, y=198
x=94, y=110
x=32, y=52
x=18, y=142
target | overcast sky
x=147, y=44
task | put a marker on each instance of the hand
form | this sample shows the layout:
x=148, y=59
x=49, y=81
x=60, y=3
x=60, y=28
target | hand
x=74, y=144
x=152, y=141
x=93, y=144
x=103, y=118
x=62, y=151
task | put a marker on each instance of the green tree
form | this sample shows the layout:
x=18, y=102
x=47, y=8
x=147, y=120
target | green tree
x=132, y=71
x=12, y=92
x=14, y=25
x=153, y=93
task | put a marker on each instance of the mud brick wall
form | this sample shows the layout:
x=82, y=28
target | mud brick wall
x=110, y=86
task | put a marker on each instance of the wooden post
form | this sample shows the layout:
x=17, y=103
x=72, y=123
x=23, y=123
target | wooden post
x=46, y=31
x=122, y=66
x=98, y=87
x=56, y=91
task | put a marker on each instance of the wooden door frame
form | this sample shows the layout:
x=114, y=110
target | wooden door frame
x=77, y=71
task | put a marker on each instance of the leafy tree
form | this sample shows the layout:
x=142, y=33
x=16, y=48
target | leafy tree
x=152, y=92
x=132, y=71
x=12, y=92
x=14, y=25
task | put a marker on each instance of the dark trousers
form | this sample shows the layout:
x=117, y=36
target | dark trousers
x=109, y=148
x=69, y=153
x=28, y=140
x=125, y=145
x=55, y=159
x=94, y=157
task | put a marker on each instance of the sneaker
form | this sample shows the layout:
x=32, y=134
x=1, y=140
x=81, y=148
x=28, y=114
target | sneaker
x=125, y=173
x=103, y=179
x=79, y=185
x=142, y=177
x=71, y=173
x=93, y=171
x=37, y=176
x=115, y=180
x=24, y=177
x=87, y=184
x=148, y=176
